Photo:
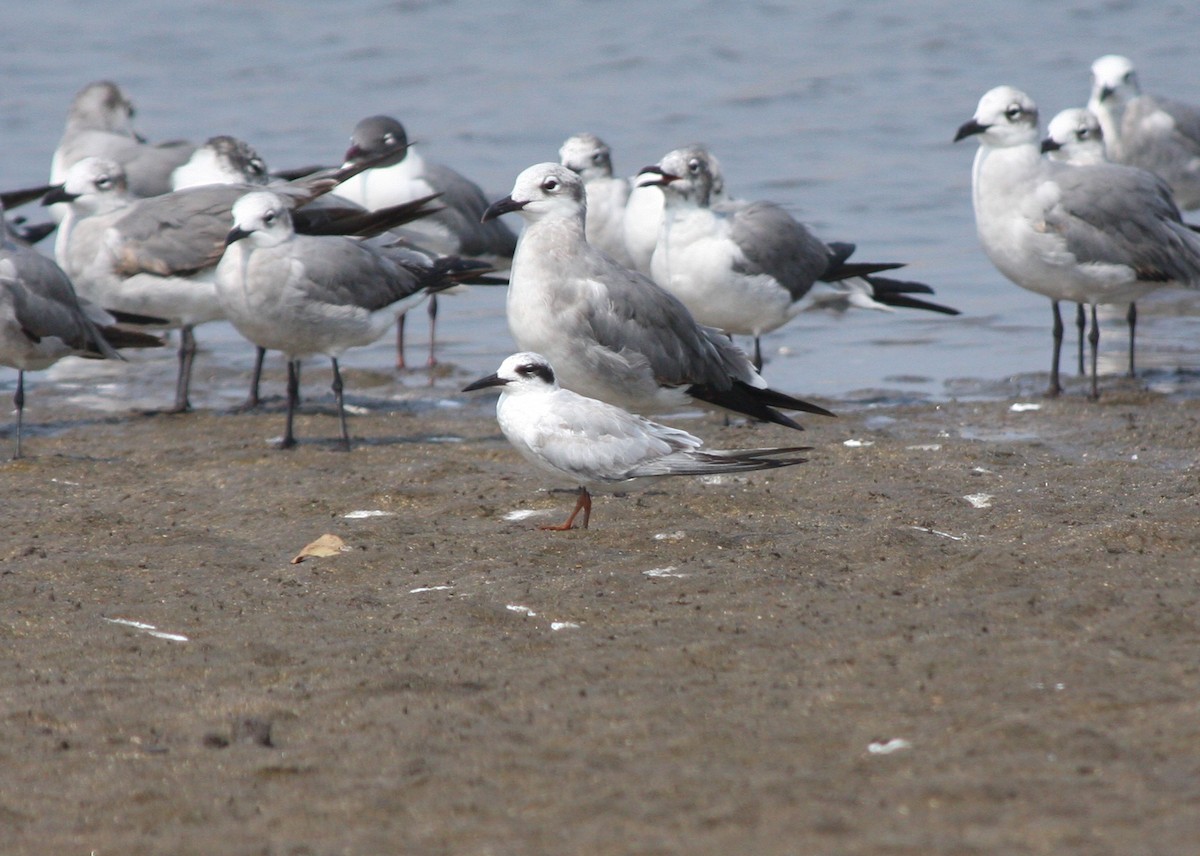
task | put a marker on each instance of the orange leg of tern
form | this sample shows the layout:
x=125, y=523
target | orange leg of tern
x=584, y=503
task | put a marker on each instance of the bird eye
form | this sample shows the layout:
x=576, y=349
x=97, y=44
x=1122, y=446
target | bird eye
x=694, y=165
x=550, y=185
x=269, y=217
x=104, y=182
x=257, y=167
x=1013, y=112
x=526, y=369
x=389, y=139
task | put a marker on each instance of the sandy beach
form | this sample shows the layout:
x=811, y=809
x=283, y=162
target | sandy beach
x=965, y=627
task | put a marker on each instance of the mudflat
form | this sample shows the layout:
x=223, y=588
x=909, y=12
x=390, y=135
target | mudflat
x=966, y=627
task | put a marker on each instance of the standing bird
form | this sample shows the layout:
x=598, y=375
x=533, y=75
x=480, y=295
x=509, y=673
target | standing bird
x=155, y=257
x=610, y=332
x=591, y=158
x=590, y=442
x=1158, y=134
x=100, y=124
x=1095, y=234
x=745, y=267
x=314, y=294
x=1074, y=136
x=42, y=320
x=399, y=174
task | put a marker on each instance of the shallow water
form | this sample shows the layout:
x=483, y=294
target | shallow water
x=843, y=113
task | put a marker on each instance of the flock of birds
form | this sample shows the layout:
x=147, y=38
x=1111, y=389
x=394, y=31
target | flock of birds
x=623, y=294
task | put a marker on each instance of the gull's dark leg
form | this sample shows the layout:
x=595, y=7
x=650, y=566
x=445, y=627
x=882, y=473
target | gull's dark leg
x=19, y=403
x=1131, y=318
x=400, y=364
x=1055, y=387
x=758, y=360
x=293, y=396
x=187, y=355
x=341, y=406
x=1081, y=326
x=252, y=400
x=433, y=311
x=1094, y=341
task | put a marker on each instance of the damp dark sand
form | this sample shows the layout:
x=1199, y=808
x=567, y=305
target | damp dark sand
x=971, y=629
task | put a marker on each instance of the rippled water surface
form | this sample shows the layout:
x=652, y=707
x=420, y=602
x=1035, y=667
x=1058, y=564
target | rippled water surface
x=842, y=112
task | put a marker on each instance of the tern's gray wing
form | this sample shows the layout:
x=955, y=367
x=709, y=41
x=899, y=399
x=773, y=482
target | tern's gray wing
x=638, y=316
x=774, y=243
x=463, y=204
x=593, y=441
x=1111, y=214
x=343, y=272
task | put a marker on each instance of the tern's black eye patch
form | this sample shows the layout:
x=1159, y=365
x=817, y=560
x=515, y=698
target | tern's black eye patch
x=540, y=370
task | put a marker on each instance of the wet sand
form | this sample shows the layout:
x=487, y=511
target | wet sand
x=960, y=628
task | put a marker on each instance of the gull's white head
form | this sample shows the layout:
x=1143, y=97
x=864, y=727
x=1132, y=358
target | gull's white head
x=1074, y=136
x=1113, y=80
x=520, y=374
x=544, y=189
x=690, y=173
x=101, y=106
x=221, y=160
x=587, y=155
x=92, y=186
x=262, y=216
x=1005, y=117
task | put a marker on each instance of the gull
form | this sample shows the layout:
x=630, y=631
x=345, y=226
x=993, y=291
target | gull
x=1075, y=136
x=100, y=124
x=610, y=332
x=155, y=257
x=745, y=267
x=1095, y=234
x=607, y=195
x=644, y=214
x=400, y=175
x=1158, y=134
x=42, y=320
x=221, y=160
x=313, y=294
x=593, y=443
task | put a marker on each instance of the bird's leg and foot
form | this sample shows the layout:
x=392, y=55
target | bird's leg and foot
x=1081, y=326
x=433, y=311
x=252, y=400
x=1055, y=387
x=758, y=358
x=293, y=396
x=19, y=404
x=1131, y=319
x=1094, y=341
x=583, y=503
x=341, y=406
x=400, y=364
x=187, y=355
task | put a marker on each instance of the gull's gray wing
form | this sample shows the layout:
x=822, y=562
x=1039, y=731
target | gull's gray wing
x=179, y=233
x=775, y=244
x=45, y=304
x=638, y=316
x=463, y=204
x=1113, y=214
x=343, y=272
x=147, y=167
